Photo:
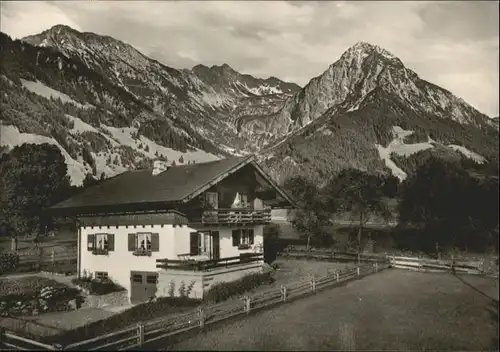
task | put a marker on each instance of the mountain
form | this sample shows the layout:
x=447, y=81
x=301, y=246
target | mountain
x=367, y=108
x=110, y=108
x=203, y=97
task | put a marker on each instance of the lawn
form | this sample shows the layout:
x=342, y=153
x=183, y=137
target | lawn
x=392, y=310
x=290, y=271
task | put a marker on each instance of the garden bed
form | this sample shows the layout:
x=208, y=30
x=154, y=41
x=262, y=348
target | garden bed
x=162, y=307
x=96, y=287
x=32, y=295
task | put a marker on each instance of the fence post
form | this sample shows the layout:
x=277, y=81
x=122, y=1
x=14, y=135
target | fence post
x=57, y=347
x=337, y=276
x=283, y=293
x=357, y=271
x=201, y=316
x=2, y=332
x=53, y=255
x=140, y=334
x=313, y=284
x=358, y=258
x=376, y=267
x=247, y=304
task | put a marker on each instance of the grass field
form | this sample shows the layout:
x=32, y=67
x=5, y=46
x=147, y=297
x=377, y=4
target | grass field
x=392, y=310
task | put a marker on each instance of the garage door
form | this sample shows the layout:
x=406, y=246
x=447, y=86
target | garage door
x=143, y=286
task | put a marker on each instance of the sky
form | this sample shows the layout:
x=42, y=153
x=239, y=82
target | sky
x=452, y=44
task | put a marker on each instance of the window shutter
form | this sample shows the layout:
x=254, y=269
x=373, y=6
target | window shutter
x=250, y=236
x=90, y=242
x=155, y=242
x=132, y=242
x=236, y=238
x=193, y=243
x=111, y=242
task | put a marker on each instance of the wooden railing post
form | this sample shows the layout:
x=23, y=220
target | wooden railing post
x=357, y=271
x=313, y=284
x=247, y=304
x=376, y=267
x=201, y=316
x=283, y=293
x=337, y=276
x=140, y=334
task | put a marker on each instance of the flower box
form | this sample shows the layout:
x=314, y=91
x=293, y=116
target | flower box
x=244, y=246
x=100, y=251
x=142, y=252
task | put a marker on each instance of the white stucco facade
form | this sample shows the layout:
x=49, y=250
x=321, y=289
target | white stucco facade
x=173, y=241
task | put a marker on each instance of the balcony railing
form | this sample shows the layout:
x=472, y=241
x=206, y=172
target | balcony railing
x=236, y=216
x=192, y=265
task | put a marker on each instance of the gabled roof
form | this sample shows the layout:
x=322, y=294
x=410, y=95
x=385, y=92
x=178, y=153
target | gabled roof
x=178, y=184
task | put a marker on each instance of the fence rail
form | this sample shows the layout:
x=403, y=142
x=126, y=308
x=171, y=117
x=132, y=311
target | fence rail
x=145, y=334
x=331, y=255
x=437, y=265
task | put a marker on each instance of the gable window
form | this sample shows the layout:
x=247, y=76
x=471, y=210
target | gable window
x=143, y=243
x=243, y=238
x=101, y=243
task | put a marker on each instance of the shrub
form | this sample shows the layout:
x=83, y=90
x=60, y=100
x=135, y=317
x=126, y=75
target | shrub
x=8, y=262
x=224, y=290
x=97, y=287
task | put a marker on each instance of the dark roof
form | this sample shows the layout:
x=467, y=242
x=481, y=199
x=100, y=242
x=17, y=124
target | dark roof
x=139, y=186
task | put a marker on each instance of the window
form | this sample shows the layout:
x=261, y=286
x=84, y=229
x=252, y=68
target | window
x=101, y=242
x=151, y=279
x=137, y=278
x=143, y=241
x=101, y=275
x=243, y=237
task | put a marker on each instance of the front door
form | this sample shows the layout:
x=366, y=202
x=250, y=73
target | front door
x=143, y=286
x=215, y=245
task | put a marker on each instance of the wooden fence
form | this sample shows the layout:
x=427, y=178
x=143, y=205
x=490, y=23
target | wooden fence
x=437, y=265
x=145, y=334
x=331, y=255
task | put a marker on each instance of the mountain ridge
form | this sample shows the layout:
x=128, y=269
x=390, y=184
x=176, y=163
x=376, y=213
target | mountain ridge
x=340, y=112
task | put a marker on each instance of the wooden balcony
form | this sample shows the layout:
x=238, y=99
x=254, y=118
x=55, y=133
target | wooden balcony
x=206, y=265
x=236, y=216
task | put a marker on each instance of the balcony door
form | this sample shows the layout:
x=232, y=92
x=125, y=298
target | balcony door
x=205, y=243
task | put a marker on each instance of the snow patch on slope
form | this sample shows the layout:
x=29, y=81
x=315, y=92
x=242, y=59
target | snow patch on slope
x=124, y=137
x=41, y=89
x=468, y=153
x=11, y=137
x=399, y=147
x=80, y=126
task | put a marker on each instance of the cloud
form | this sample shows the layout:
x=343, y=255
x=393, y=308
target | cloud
x=452, y=44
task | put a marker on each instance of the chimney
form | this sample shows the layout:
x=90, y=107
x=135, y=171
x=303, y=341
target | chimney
x=159, y=166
